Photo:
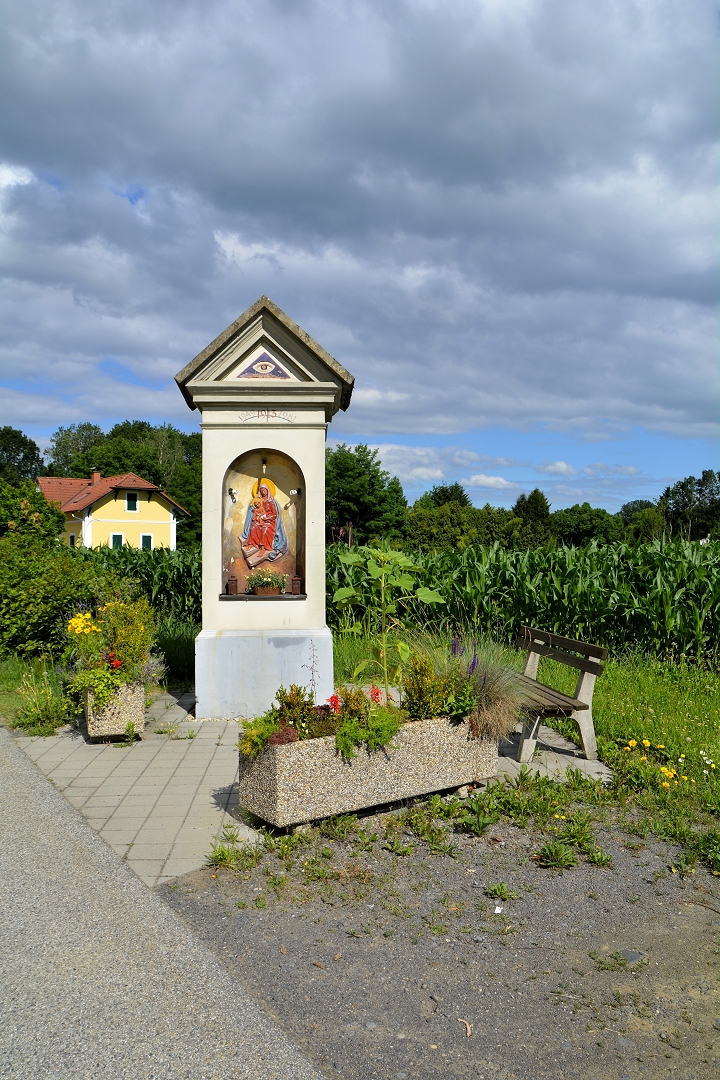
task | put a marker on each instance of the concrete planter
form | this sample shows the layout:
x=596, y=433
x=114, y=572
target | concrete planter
x=304, y=781
x=125, y=706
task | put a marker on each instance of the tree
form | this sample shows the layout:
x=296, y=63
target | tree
x=534, y=524
x=453, y=527
x=362, y=501
x=646, y=525
x=442, y=494
x=20, y=457
x=629, y=509
x=68, y=443
x=116, y=456
x=692, y=507
x=24, y=511
x=580, y=524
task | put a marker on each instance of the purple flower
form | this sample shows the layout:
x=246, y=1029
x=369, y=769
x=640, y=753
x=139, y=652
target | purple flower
x=484, y=678
x=455, y=646
x=473, y=664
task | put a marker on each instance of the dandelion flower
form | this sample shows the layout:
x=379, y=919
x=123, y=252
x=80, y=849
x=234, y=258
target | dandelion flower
x=660, y=746
x=665, y=785
x=632, y=743
x=643, y=758
x=646, y=743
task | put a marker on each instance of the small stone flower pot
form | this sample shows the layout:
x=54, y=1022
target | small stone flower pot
x=308, y=780
x=127, y=705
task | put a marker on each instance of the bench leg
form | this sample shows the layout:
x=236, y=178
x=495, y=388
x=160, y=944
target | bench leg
x=584, y=721
x=528, y=738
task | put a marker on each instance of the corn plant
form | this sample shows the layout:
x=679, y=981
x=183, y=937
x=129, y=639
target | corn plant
x=663, y=597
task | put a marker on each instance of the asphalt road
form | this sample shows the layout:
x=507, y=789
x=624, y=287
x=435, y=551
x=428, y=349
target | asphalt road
x=98, y=978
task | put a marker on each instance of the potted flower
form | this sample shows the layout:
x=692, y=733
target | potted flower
x=301, y=761
x=266, y=582
x=110, y=654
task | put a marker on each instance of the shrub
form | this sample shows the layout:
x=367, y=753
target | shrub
x=39, y=587
x=257, y=732
x=424, y=692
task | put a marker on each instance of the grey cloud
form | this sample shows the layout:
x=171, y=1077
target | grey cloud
x=493, y=214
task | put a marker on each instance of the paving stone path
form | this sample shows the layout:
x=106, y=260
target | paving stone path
x=159, y=803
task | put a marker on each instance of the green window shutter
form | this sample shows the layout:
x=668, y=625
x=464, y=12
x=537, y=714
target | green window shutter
x=146, y=542
x=117, y=540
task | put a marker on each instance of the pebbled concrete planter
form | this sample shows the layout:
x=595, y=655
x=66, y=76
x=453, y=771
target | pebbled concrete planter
x=126, y=705
x=304, y=781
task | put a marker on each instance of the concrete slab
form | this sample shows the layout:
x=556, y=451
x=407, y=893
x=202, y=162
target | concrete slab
x=553, y=756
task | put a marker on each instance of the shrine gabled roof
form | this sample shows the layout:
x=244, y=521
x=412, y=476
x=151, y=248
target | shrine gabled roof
x=347, y=381
x=74, y=493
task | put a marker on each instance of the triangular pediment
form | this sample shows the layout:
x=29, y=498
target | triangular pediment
x=264, y=348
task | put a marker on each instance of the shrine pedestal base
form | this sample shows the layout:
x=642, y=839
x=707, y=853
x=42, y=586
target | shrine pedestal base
x=237, y=672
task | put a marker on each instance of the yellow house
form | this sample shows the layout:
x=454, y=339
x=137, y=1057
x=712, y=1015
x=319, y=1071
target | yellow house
x=113, y=510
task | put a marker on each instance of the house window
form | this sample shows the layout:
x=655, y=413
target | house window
x=146, y=541
x=71, y=539
x=116, y=540
x=131, y=501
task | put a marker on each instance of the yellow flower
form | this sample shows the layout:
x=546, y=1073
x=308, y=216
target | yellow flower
x=684, y=777
x=691, y=780
x=660, y=746
x=666, y=785
x=632, y=743
x=682, y=756
x=643, y=758
x=626, y=747
x=646, y=743
x=712, y=766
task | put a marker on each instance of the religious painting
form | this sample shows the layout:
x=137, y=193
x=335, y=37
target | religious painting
x=263, y=526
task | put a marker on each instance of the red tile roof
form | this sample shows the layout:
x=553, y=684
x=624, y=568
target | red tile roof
x=77, y=494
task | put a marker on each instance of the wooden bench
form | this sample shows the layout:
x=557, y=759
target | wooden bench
x=576, y=654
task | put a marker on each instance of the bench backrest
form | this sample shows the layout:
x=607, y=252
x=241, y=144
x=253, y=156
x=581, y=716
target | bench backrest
x=575, y=654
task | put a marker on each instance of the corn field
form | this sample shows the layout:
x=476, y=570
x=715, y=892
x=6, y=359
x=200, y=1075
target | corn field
x=171, y=580
x=662, y=597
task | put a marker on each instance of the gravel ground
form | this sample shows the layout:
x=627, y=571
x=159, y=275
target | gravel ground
x=401, y=967
x=98, y=979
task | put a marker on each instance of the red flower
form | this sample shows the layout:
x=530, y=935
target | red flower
x=334, y=703
x=375, y=695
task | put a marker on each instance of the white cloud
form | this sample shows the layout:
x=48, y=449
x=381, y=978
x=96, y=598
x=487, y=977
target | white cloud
x=497, y=482
x=599, y=468
x=520, y=239
x=556, y=468
x=10, y=175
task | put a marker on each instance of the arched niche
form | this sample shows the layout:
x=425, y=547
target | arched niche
x=263, y=518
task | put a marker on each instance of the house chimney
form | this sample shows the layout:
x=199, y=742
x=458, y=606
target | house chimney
x=95, y=476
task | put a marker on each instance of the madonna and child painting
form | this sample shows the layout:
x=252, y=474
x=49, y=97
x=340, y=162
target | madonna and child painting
x=262, y=520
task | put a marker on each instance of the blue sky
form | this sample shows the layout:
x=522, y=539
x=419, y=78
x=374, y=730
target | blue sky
x=500, y=216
